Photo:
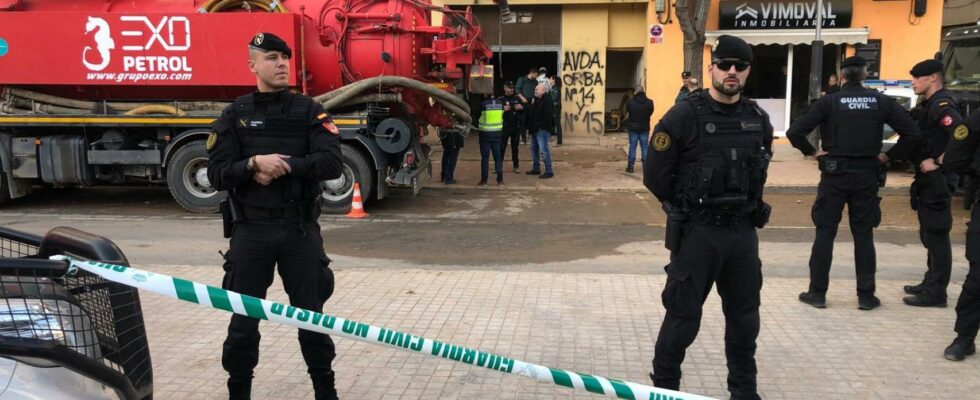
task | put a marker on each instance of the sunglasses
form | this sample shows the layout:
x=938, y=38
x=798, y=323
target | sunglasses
x=726, y=65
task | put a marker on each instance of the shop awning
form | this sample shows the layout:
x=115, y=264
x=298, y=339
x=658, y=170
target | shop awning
x=792, y=36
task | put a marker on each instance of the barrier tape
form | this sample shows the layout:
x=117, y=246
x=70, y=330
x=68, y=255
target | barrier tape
x=210, y=296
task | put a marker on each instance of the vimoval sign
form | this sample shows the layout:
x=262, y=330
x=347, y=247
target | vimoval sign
x=782, y=14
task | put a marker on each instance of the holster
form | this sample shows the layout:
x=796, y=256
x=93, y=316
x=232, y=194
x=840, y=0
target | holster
x=832, y=165
x=882, y=175
x=760, y=216
x=914, y=196
x=675, y=227
x=231, y=215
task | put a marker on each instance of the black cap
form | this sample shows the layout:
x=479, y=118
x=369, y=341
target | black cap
x=509, y=84
x=686, y=74
x=927, y=67
x=730, y=47
x=854, y=61
x=266, y=42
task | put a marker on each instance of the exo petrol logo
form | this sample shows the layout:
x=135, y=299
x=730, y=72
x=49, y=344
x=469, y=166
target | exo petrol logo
x=744, y=9
x=103, y=43
x=142, y=41
x=4, y=48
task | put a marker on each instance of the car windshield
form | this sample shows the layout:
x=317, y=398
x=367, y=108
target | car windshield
x=962, y=61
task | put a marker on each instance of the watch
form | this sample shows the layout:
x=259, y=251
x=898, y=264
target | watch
x=250, y=165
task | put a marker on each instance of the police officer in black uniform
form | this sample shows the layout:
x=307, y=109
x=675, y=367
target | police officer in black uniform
x=269, y=151
x=963, y=156
x=512, y=109
x=707, y=166
x=932, y=188
x=851, y=122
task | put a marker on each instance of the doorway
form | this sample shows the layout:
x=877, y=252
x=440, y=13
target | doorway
x=510, y=65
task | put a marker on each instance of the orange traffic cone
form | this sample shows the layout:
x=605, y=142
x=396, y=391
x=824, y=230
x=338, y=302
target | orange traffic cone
x=357, y=206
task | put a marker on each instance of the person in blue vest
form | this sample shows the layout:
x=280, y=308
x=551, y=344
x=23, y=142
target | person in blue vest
x=491, y=131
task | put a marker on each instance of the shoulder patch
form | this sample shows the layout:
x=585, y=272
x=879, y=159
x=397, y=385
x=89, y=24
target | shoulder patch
x=661, y=141
x=961, y=132
x=943, y=103
x=212, y=139
x=947, y=120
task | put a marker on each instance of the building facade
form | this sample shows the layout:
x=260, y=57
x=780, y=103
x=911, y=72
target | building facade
x=602, y=50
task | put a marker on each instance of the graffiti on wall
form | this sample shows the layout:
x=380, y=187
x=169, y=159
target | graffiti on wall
x=581, y=78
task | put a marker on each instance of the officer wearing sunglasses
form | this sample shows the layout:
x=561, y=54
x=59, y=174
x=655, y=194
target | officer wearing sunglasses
x=707, y=166
x=851, y=121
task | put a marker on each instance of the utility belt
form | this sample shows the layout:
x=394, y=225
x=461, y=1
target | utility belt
x=308, y=211
x=677, y=217
x=233, y=213
x=839, y=165
x=707, y=217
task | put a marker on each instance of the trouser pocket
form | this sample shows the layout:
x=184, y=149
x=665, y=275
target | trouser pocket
x=326, y=280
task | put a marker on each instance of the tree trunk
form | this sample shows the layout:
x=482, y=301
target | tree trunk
x=692, y=16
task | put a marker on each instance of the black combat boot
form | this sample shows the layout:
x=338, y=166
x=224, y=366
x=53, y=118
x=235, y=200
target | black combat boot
x=323, y=386
x=868, y=303
x=921, y=300
x=629, y=168
x=818, y=300
x=240, y=387
x=961, y=347
x=914, y=289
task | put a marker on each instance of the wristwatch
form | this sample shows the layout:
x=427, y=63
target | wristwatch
x=250, y=165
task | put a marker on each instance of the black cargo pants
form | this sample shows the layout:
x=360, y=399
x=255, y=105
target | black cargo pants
x=709, y=254
x=930, y=198
x=256, y=248
x=968, y=306
x=858, y=189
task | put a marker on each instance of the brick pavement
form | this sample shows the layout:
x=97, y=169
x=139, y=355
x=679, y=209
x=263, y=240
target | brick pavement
x=604, y=324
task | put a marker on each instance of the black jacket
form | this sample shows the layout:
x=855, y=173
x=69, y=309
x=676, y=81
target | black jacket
x=542, y=115
x=640, y=108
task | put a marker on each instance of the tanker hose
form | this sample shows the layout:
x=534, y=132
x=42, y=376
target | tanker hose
x=227, y=5
x=156, y=109
x=453, y=104
x=15, y=95
x=43, y=108
x=374, y=98
x=7, y=108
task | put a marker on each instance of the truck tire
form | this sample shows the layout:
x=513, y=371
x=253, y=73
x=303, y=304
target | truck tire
x=187, y=178
x=338, y=193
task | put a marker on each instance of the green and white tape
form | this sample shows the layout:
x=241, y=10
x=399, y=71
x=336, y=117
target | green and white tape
x=237, y=303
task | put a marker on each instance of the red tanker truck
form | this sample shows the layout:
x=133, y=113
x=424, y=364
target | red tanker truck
x=99, y=92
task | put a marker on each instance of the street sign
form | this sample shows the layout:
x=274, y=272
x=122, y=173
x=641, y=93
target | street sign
x=656, y=34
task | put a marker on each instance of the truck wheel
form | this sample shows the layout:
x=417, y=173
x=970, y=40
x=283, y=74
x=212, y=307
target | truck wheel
x=187, y=177
x=337, y=194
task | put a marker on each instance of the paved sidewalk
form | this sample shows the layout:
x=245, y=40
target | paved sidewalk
x=597, y=165
x=604, y=324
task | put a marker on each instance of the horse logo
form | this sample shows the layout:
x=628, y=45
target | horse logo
x=103, y=43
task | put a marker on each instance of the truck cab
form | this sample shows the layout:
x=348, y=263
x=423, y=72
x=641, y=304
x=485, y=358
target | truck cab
x=961, y=57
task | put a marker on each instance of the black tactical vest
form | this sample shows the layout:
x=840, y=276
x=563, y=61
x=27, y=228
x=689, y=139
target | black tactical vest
x=855, y=125
x=730, y=170
x=275, y=131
